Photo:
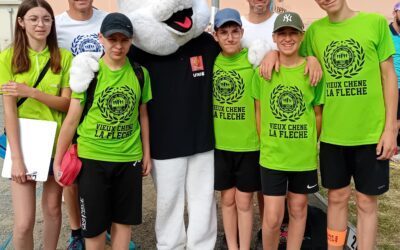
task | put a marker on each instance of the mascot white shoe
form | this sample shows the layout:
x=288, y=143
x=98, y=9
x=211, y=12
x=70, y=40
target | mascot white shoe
x=169, y=40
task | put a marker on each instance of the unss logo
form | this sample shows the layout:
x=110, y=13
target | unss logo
x=86, y=43
x=344, y=58
x=228, y=86
x=287, y=103
x=117, y=104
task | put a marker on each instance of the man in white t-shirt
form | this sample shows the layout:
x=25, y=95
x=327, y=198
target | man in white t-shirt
x=79, y=26
x=77, y=30
x=258, y=23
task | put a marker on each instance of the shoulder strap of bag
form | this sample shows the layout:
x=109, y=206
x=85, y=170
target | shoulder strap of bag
x=40, y=78
x=137, y=68
x=88, y=104
x=89, y=96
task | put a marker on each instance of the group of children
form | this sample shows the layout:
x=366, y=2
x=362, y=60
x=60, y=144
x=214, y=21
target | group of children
x=273, y=123
x=266, y=131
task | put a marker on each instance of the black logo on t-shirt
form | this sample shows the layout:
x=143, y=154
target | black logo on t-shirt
x=228, y=86
x=117, y=104
x=287, y=103
x=86, y=43
x=344, y=58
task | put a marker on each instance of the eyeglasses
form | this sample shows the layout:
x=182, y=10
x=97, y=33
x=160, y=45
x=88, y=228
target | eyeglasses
x=224, y=34
x=34, y=20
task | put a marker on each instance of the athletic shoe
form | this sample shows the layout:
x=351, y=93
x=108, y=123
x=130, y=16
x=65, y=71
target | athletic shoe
x=132, y=245
x=76, y=243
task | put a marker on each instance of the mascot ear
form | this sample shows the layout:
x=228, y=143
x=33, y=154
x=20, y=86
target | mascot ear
x=257, y=50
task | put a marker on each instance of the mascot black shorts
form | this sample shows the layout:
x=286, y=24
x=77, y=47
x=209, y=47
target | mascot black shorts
x=109, y=192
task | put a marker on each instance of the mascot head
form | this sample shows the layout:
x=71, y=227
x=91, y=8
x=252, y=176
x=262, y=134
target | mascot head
x=162, y=26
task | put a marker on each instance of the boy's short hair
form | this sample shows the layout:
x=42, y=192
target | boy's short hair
x=288, y=19
x=116, y=23
x=226, y=16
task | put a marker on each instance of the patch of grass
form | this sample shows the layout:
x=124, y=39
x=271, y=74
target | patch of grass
x=389, y=212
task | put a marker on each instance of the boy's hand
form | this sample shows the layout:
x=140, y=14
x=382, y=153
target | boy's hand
x=386, y=147
x=269, y=63
x=146, y=166
x=57, y=173
x=314, y=70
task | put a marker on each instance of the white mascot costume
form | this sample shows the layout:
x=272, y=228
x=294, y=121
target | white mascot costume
x=169, y=40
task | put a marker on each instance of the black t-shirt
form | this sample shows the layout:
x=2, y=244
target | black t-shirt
x=180, y=113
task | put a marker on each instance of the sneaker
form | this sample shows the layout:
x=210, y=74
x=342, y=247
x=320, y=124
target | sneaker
x=132, y=245
x=76, y=243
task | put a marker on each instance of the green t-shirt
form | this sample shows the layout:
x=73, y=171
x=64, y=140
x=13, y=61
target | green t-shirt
x=51, y=83
x=111, y=131
x=234, y=113
x=350, y=53
x=288, y=125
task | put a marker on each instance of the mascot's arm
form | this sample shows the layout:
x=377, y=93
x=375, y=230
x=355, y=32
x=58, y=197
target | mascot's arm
x=82, y=70
x=257, y=50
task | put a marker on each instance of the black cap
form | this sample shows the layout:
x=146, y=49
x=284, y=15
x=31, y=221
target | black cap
x=116, y=23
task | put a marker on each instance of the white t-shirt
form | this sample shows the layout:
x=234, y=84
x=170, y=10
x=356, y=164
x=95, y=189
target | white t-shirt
x=263, y=31
x=79, y=36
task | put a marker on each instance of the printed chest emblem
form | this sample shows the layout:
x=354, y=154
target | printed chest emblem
x=117, y=104
x=197, y=63
x=86, y=43
x=228, y=86
x=287, y=103
x=344, y=59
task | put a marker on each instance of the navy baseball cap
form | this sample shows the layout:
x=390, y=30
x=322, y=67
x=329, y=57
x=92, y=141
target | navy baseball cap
x=227, y=15
x=116, y=23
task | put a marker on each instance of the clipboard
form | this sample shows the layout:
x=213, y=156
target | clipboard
x=37, y=140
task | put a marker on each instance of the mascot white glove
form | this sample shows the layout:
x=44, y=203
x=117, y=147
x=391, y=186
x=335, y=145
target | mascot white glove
x=257, y=50
x=82, y=70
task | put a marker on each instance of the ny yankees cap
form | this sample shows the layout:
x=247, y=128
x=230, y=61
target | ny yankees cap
x=397, y=6
x=227, y=15
x=116, y=23
x=288, y=19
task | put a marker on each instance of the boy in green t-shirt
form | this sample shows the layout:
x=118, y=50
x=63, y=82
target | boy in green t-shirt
x=110, y=141
x=359, y=123
x=289, y=120
x=237, y=172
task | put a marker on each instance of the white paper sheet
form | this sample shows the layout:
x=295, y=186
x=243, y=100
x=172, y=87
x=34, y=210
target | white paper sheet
x=37, y=139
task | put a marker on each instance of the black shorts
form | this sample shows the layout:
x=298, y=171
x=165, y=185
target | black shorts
x=237, y=169
x=51, y=172
x=339, y=163
x=109, y=192
x=277, y=182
